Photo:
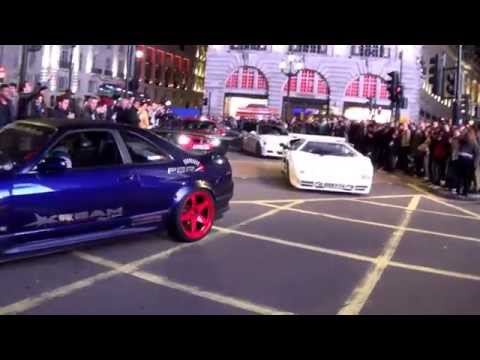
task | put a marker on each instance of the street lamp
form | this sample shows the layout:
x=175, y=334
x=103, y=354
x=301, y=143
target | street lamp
x=291, y=66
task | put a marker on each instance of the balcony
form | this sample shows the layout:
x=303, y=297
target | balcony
x=248, y=47
x=312, y=49
x=96, y=71
x=378, y=51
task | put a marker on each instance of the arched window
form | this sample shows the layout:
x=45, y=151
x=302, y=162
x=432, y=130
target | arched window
x=367, y=86
x=311, y=83
x=247, y=77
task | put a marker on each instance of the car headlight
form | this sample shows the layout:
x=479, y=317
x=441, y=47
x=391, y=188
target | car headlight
x=216, y=142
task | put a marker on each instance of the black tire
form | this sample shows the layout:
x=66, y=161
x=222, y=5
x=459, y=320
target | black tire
x=258, y=150
x=174, y=225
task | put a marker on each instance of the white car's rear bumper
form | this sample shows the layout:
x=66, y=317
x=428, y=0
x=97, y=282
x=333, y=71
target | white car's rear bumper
x=360, y=187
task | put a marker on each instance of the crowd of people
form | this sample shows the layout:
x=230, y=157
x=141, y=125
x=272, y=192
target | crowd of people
x=446, y=156
x=28, y=102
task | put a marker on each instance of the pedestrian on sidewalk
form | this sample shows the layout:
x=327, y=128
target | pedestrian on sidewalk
x=6, y=115
x=468, y=159
x=90, y=109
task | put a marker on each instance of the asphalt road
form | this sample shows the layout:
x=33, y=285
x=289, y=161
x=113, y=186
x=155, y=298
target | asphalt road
x=277, y=251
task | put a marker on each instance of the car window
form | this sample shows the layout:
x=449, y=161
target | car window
x=87, y=149
x=323, y=148
x=20, y=142
x=142, y=151
x=271, y=130
x=249, y=126
x=199, y=125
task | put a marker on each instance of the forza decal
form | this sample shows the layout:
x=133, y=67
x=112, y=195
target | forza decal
x=100, y=215
x=191, y=165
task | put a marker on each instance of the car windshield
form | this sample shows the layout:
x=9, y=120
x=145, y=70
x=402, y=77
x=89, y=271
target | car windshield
x=199, y=125
x=20, y=142
x=272, y=130
x=324, y=148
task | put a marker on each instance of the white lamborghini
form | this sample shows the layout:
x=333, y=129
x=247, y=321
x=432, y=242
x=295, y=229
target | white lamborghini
x=326, y=163
x=264, y=140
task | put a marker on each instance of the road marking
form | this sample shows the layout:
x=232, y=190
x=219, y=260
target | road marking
x=343, y=198
x=372, y=223
x=191, y=290
x=320, y=249
x=361, y=294
x=354, y=256
x=34, y=301
x=419, y=210
x=436, y=199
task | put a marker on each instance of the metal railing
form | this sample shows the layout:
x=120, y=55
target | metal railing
x=249, y=47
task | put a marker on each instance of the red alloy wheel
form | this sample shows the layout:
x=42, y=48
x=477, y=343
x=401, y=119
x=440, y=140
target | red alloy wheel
x=196, y=215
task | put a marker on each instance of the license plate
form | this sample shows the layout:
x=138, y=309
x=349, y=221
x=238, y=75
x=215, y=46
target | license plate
x=201, y=147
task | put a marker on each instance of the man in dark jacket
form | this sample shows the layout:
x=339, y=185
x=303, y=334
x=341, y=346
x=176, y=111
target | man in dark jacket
x=25, y=100
x=90, y=110
x=6, y=115
x=61, y=109
x=126, y=114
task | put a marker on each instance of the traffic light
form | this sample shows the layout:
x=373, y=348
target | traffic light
x=451, y=82
x=392, y=85
x=435, y=75
x=464, y=106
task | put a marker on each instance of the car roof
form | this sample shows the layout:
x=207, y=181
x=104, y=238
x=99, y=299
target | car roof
x=68, y=124
x=320, y=138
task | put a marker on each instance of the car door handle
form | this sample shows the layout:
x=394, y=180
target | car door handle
x=127, y=178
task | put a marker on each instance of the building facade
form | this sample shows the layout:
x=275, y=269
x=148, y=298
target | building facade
x=435, y=107
x=172, y=72
x=82, y=68
x=336, y=79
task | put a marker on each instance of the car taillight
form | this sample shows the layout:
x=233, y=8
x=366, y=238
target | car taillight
x=184, y=140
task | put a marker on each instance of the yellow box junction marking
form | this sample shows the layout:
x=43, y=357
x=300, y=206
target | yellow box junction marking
x=361, y=294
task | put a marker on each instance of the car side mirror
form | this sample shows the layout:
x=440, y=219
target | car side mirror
x=52, y=165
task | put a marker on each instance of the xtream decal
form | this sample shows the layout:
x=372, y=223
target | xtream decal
x=100, y=215
x=191, y=165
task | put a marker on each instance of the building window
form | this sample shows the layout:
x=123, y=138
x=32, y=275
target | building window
x=121, y=49
x=369, y=86
x=32, y=57
x=80, y=62
x=315, y=49
x=381, y=51
x=353, y=88
x=108, y=47
x=108, y=64
x=232, y=81
x=248, y=75
x=249, y=47
x=91, y=86
x=322, y=87
x=121, y=68
x=62, y=83
x=306, y=81
x=64, y=58
x=186, y=65
x=261, y=82
x=293, y=84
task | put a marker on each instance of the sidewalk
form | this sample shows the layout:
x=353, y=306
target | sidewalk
x=433, y=189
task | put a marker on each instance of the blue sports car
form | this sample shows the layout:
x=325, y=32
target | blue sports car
x=65, y=182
